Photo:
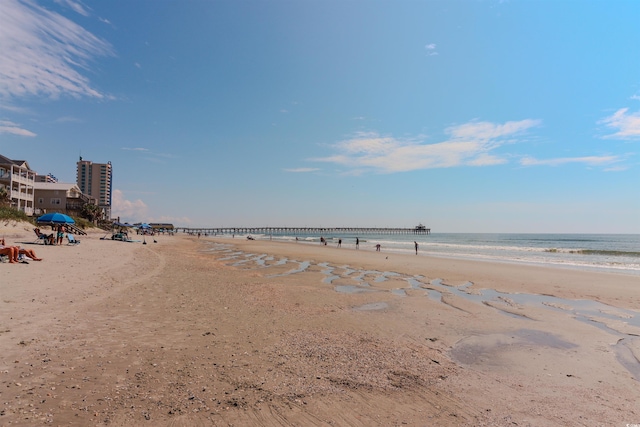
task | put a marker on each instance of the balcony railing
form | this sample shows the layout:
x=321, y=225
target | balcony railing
x=28, y=179
x=21, y=195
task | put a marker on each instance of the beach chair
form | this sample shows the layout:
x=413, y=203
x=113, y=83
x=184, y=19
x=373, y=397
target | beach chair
x=42, y=237
x=72, y=240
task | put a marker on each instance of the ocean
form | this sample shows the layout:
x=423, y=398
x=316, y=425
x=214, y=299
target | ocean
x=619, y=253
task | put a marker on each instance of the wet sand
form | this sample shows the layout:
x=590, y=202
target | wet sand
x=206, y=331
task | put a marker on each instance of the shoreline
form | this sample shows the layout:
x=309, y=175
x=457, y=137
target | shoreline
x=574, y=256
x=121, y=334
x=489, y=274
x=496, y=335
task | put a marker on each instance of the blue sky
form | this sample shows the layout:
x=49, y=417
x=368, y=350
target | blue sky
x=466, y=116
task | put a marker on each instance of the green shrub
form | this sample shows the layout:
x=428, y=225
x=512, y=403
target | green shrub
x=11, y=214
x=83, y=223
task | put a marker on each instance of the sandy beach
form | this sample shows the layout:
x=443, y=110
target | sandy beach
x=221, y=332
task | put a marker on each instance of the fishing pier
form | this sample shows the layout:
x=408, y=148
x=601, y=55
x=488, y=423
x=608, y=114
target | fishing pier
x=420, y=229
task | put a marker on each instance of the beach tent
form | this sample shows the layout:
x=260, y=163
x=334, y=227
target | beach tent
x=55, y=218
x=124, y=225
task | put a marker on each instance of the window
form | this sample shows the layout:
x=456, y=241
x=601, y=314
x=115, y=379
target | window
x=55, y=201
x=41, y=200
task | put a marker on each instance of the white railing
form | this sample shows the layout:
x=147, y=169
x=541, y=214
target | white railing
x=30, y=179
x=21, y=195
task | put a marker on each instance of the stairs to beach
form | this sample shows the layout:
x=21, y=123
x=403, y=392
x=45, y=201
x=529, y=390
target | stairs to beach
x=75, y=230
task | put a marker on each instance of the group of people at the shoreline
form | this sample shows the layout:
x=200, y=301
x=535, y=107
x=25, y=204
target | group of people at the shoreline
x=14, y=253
x=323, y=241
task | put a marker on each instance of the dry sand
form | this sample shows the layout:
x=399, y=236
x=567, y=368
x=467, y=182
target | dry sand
x=185, y=332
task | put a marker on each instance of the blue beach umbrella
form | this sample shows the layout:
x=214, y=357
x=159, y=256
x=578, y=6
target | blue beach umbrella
x=55, y=218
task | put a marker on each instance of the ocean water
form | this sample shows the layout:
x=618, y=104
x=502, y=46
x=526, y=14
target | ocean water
x=618, y=253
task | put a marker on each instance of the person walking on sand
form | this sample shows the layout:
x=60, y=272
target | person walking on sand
x=416, y=245
x=378, y=247
x=357, y=243
x=339, y=243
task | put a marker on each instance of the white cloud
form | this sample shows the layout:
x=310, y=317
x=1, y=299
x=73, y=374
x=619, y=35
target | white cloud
x=135, y=149
x=616, y=169
x=68, y=119
x=588, y=160
x=431, y=49
x=127, y=210
x=627, y=125
x=13, y=128
x=76, y=6
x=43, y=52
x=487, y=131
x=469, y=144
x=148, y=155
x=137, y=211
x=302, y=170
x=14, y=109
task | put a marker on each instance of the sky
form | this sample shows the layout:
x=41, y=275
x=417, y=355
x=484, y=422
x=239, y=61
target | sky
x=465, y=116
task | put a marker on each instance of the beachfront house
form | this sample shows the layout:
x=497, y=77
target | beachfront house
x=18, y=179
x=60, y=197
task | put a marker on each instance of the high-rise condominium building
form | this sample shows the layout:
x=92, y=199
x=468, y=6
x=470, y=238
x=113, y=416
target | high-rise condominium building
x=95, y=180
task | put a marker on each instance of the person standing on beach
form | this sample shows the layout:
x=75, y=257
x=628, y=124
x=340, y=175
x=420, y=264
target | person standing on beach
x=60, y=235
x=339, y=243
x=357, y=243
x=416, y=245
x=378, y=247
